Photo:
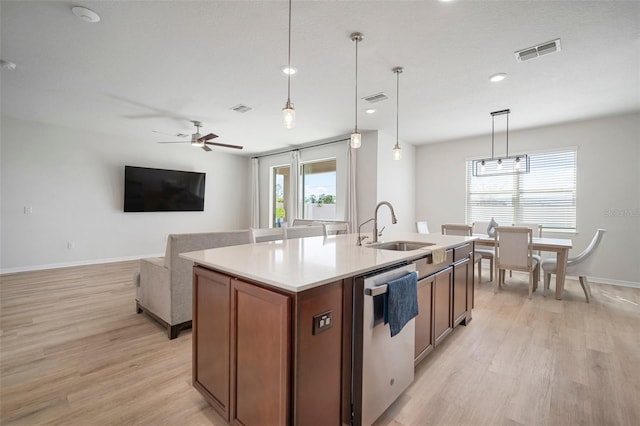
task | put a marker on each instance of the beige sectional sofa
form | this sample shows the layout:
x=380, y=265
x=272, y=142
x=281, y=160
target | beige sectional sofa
x=164, y=285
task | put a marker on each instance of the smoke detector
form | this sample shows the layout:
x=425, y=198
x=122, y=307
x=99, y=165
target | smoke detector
x=539, y=50
x=376, y=98
x=85, y=14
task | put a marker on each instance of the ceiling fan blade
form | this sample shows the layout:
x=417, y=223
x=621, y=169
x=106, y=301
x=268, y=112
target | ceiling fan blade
x=224, y=145
x=206, y=148
x=208, y=137
x=173, y=135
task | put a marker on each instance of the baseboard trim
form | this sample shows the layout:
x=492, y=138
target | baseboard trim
x=620, y=283
x=599, y=280
x=77, y=263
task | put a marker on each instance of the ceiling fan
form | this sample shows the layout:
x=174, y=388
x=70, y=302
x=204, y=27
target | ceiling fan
x=202, y=141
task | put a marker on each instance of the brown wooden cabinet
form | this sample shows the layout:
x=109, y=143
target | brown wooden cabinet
x=423, y=323
x=249, y=339
x=461, y=274
x=442, y=324
x=211, y=337
x=260, y=336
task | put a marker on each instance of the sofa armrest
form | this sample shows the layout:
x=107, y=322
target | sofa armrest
x=154, y=292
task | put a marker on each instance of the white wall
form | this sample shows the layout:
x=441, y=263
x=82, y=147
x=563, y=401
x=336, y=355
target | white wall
x=397, y=183
x=380, y=178
x=608, y=184
x=74, y=181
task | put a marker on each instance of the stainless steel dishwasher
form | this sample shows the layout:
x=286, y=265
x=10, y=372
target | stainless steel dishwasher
x=382, y=365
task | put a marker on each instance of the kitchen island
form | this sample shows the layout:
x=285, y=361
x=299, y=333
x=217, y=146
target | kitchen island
x=277, y=326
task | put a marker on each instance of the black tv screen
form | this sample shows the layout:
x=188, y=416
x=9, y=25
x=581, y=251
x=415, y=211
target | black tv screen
x=159, y=190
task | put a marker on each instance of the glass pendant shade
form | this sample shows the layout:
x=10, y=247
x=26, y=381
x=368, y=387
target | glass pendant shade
x=288, y=116
x=356, y=140
x=397, y=154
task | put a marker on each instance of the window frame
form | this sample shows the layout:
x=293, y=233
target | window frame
x=564, y=161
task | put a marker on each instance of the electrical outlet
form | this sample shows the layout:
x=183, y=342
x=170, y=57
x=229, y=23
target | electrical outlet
x=28, y=209
x=71, y=245
x=322, y=322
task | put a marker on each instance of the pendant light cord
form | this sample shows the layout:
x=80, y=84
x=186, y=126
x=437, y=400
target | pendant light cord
x=289, y=61
x=356, y=97
x=507, y=135
x=493, y=126
x=397, y=105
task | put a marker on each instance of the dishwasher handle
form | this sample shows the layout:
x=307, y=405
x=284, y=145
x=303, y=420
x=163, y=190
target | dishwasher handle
x=377, y=290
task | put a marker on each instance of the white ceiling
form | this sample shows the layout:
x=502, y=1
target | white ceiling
x=155, y=65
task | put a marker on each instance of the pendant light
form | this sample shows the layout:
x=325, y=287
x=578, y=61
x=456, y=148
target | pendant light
x=397, y=155
x=288, y=113
x=515, y=164
x=356, y=137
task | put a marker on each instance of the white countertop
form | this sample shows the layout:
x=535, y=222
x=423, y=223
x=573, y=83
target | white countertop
x=303, y=263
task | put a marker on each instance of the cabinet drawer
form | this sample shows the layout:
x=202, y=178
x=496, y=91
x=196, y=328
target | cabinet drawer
x=425, y=266
x=462, y=252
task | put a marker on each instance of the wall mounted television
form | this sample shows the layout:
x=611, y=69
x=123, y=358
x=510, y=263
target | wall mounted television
x=160, y=190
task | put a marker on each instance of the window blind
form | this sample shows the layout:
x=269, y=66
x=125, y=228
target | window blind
x=546, y=195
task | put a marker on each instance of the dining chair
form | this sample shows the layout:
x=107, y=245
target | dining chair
x=259, y=235
x=465, y=230
x=422, y=226
x=536, y=231
x=484, y=253
x=580, y=266
x=513, y=250
x=304, y=231
x=335, y=228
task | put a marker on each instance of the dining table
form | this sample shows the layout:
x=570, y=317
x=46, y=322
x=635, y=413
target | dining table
x=560, y=246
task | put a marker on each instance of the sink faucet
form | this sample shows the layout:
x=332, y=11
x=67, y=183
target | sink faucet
x=362, y=238
x=375, y=219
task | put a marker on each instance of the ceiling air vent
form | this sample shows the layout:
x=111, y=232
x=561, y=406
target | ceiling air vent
x=376, y=98
x=539, y=50
x=241, y=108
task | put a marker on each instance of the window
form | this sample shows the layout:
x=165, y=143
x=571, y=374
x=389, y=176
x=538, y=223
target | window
x=546, y=195
x=280, y=194
x=318, y=188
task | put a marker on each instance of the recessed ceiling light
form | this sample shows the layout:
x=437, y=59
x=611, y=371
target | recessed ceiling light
x=369, y=110
x=85, y=14
x=289, y=70
x=497, y=77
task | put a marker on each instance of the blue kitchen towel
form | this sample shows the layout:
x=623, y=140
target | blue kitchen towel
x=401, y=302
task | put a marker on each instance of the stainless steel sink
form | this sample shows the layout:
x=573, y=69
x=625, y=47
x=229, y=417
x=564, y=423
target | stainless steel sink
x=400, y=245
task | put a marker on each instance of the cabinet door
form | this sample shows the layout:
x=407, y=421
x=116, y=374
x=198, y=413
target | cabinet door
x=424, y=331
x=461, y=273
x=442, y=305
x=260, y=333
x=211, y=337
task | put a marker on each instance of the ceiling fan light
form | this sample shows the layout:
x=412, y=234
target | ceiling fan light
x=356, y=140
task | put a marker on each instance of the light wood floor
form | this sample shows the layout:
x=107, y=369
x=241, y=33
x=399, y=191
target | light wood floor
x=73, y=352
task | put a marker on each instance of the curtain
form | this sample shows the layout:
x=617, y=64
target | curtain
x=351, y=207
x=294, y=188
x=255, y=193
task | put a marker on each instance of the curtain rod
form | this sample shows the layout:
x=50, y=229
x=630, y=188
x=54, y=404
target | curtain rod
x=300, y=149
